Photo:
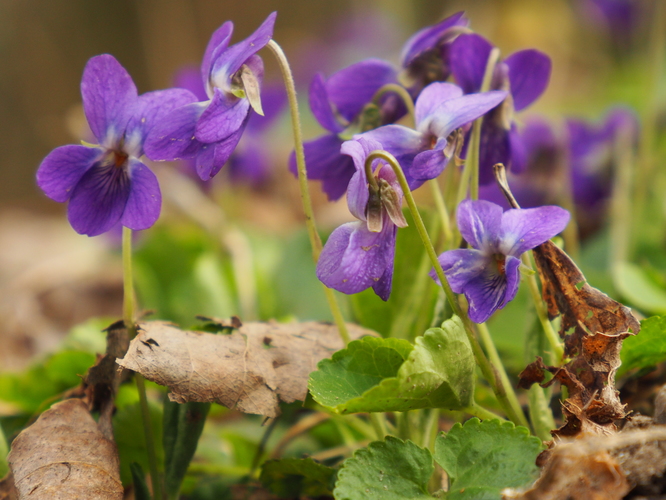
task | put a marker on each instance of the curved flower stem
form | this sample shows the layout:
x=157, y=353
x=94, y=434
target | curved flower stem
x=402, y=93
x=130, y=325
x=470, y=177
x=315, y=240
x=515, y=413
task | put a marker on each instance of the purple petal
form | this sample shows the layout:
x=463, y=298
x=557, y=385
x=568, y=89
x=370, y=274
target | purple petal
x=249, y=164
x=428, y=38
x=109, y=96
x=353, y=87
x=213, y=156
x=145, y=200
x=228, y=62
x=173, y=138
x=357, y=192
x=63, y=168
x=151, y=110
x=429, y=164
x=495, y=148
x=354, y=259
x=98, y=200
x=402, y=142
x=432, y=97
x=529, y=73
x=461, y=266
x=485, y=295
x=324, y=162
x=189, y=78
x=320, y=105
x=468, y=56
x=511, y=269
x=518, y=150
x=218, y=43
x=479, y=223
x=221, y=118
x=524, y=229
x=383, y=286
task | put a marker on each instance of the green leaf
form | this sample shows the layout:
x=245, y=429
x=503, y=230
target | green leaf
x=636, y=286
x=296, y=477
x=386, y=470
x=482, y=458
x=183, y=424
x=130, y=439
x=4, y=450
x=647, y=348
x=373, y=375
x=141, y=491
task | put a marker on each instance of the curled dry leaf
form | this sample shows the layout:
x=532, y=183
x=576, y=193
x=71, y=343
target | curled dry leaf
x=250, y=369
x=63, y=455
x=592, y=326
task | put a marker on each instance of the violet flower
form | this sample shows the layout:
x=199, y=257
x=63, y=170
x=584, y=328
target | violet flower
x=524, y=74
x=106, y=184
x=440, y=110
x=359, y=255
x=210, y=130
x=488, y=273
x=341, y=105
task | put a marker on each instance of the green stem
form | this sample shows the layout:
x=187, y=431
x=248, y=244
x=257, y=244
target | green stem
x=402, y=93
x=431, y=429
x=315, y=240
x=488, y=370
x=440, y=205
x=478, y=411
x=379, y=424
x=621, y=208
x=128, y=319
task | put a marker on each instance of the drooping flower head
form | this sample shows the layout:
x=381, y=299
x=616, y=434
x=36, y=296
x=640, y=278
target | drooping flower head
x=359, y=255
x=342, y=104
x=440, y=110
x=525, y=74
x=106, y=183
x=488, y=273
x=209, y=130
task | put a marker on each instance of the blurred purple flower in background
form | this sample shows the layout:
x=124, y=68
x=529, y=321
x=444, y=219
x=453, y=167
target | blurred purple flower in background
x=209, y=130
x=525, y=74
x=106, y=184
x=488, y=273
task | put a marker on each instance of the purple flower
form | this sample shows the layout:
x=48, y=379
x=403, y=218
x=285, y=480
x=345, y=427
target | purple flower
x=106, y=183
x=209, y=131
x=488, y=272
x=340, y=106
x=359, y=255
x=525, y=74
x=425, y=56
x=440, y=109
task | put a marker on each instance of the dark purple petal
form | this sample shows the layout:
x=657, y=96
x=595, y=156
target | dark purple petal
x=460, y=267
x=479, y=223
x=432, y=97
x=353, y=87
x=213, y=156
x=151, y=110
x=109, y=96
x=98, y=200
x=518, y=150
x=383, y=286
x=495, y=148
x=529, y=73
x=320, y=105
x=524, y=229
x=511, y=269
x=225, y=64
x=218, y=43
x=354, y=259
x=173, y=138
x=145, y=200
x=468, y=56
x=485, y=294
x=221, y=118
x=63, y=168
x=428, y=38
x=189, y=78
x=324, y=162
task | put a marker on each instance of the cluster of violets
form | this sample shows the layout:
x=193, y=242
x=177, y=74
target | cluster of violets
x=203, y=119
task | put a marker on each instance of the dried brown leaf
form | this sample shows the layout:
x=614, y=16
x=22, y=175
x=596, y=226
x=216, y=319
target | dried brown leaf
x=63, y=455
x=250, y=369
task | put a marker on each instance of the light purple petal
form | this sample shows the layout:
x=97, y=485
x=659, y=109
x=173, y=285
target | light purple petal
x=218, y=43
x=227, y=63
x=353, y=87
x=213, y=156
x=145, y=200
x=485, y=295
x=529, y=73
x=468, y=56
x=461, y=266
x=479, y=223
x=173, y=138
x=189, y=78
x=109, y=96
x=429, y=164
x=320, y=105
x=63, y=168
x=524, y=229
x=221, y=118
x=432, y=97
x=98, y=200
x=428, y=38
x=357, y=192
x=402, y=142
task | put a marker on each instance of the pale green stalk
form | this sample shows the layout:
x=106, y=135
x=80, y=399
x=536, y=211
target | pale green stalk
x=402, y=93
x=478, y=411
x=621, y=207
x=379, y=424
x=315, y=240
x=431, y=429
x=443, y=213
x=489, y=371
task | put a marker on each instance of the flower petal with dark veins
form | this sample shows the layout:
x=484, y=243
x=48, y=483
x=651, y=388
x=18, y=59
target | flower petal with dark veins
x=145, y=200
x=63, y=168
